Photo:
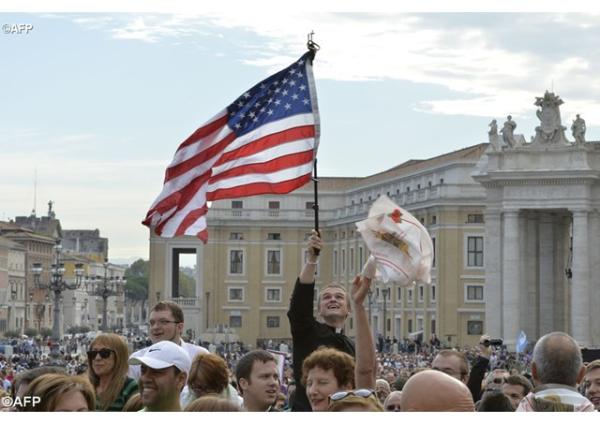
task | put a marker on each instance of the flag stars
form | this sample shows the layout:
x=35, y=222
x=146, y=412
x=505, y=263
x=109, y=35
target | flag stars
x=246, y=95
x=294, y=96
x=305, y=101
x=270, y=112
x=292, y=83
x=277, y=102
x=302, y=87
x=284, y=93
x=288, y=106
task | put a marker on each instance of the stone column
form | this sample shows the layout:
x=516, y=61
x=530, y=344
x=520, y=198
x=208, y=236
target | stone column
x=546, y=282
x=530, y=291
x=511, y=278
x=595, y=270
x=580, y=284
x=493, y=274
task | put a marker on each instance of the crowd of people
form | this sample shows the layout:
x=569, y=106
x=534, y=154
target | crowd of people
x=326, y=370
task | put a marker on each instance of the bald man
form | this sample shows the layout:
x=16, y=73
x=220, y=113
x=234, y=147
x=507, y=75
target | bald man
x=434, y=391
x=557, y=368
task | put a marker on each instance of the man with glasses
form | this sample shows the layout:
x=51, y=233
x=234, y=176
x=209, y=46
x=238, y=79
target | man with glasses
x=164, y=370
x=166, y=324
x=455, y=364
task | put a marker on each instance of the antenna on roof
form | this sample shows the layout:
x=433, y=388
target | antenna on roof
x=34, y=192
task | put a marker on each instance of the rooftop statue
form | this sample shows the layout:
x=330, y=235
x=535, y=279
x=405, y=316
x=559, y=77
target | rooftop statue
x=551, y=130
x=578, y=128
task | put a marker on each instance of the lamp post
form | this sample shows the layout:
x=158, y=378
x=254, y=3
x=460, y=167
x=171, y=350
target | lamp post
x=385, y=293
x=12, y=306
x=57, y=284
x=105, y=287
x=38, y=309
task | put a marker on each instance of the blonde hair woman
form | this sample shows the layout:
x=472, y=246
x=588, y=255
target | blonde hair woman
x=60, y=393
x=107, y=371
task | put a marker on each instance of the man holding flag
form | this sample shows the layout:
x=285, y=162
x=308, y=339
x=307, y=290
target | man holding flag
x=264, y=142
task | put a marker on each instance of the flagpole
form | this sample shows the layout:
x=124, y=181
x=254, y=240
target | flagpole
x=313, y=47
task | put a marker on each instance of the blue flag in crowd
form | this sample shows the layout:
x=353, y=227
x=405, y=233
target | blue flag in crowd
x=521, y=342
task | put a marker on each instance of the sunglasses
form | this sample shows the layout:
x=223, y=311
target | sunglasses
x=363, y=393
x=104, y=353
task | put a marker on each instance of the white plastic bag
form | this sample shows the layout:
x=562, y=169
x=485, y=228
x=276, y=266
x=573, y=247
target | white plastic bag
x=401, y=246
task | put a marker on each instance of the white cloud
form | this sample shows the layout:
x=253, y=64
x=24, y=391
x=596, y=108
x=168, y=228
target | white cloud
x=494, y=74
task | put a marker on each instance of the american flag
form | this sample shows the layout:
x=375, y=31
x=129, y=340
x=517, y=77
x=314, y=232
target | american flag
x=264, y=142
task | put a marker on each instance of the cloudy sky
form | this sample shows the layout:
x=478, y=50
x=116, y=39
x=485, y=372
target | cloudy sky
x=96, y=102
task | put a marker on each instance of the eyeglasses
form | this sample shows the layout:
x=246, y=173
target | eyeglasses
x=363, y=393
x=104, y=353
x=162, y=322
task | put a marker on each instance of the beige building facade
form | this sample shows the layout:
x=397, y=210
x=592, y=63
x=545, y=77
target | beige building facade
x=246, y=272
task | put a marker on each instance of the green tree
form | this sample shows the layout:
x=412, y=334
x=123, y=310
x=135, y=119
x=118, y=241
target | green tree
x=187, y=284
x=138, y=281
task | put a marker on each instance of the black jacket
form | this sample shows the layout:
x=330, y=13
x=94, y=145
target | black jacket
x=308, y=335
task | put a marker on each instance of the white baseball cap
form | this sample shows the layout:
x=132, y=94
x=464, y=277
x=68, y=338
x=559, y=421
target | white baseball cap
x=162, y=355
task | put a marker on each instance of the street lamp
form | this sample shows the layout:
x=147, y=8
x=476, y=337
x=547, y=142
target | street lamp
x=385, y=292
x=105, y=287
x=38, y=309
x=57, y=284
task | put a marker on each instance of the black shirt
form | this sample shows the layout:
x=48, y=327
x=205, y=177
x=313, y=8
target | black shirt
x=308, y=335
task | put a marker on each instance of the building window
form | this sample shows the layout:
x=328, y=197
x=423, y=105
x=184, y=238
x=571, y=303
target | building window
x=236, y=294
x=434, y=220
x=237, y=206
x=236, y=236
x=410, y=295
x=343, y=261
x=475, y=293
x=433, y=326
x=352, y=260
x=360, y=256
x=273, y=295
x=335, y=262
x=274, y=236
x=310, y=208
x=273, y=262
x=421, y=293
x=475, y=328
x=419, y=324
x=399, y=293
x=432, y=293
x=236, y=261
x=410, y=329
x=274, y=208
x=272, y=322
x=474, y=251
x=235, y=321
x=475, y=218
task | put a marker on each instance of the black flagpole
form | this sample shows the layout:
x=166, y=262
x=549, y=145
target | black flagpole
x=313, y=47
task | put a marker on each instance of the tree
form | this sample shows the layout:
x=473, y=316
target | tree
x=187, y=284
x=138, y=280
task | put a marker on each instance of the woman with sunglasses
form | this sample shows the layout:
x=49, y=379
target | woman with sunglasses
x=107, y=371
